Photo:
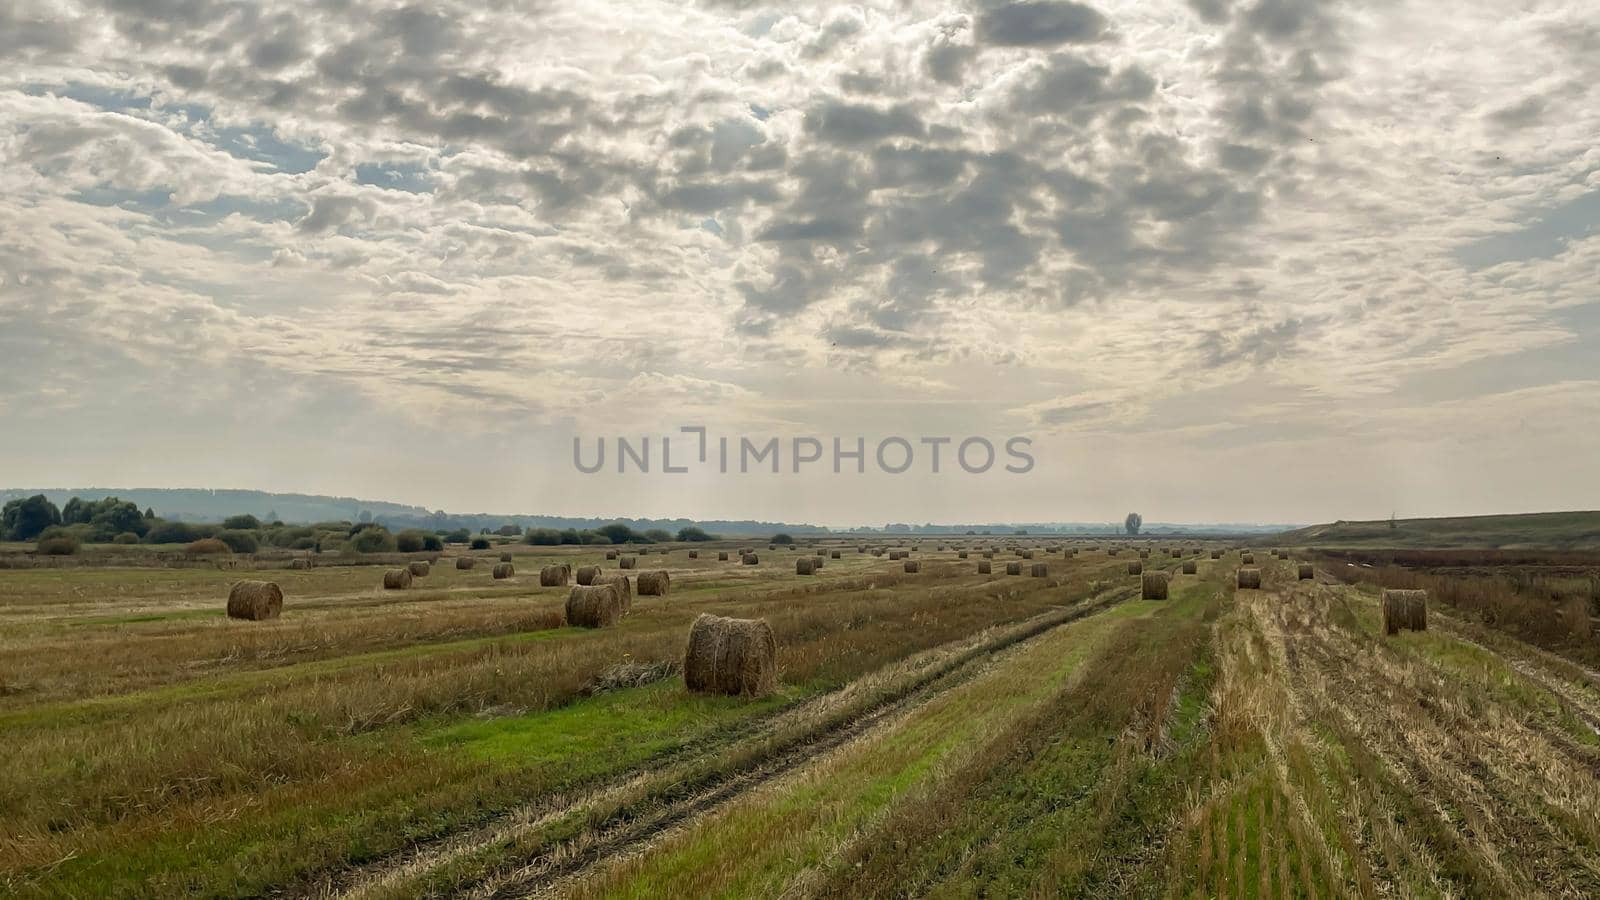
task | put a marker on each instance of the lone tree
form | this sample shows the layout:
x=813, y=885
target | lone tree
x=24, y=520
x=1133, y=523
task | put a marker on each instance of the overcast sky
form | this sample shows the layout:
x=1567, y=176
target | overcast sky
x=1271, y=260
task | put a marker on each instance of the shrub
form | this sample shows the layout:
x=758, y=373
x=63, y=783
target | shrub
x=245, y=522
x=781, y=539
x=409, y=541
x=176, y=533
x=59, y=545
x=459, y=536
x=694, y=533
x=207, y=547
x=372, y=540
x=24, y=520
x=618, y=533
x=239, y=540
x=544, y=537
x=480, y=543
x=658, y=535
x=432, y=543
x=127, y=537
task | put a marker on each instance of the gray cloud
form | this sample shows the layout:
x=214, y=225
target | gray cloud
x=1040, y=23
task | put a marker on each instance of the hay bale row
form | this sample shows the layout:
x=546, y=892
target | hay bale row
x=1155, y=586
x=1404, y=610
x=255, y=600
x=730, y=656
x=593, y=606
x=397, y=579
x=654, y=584
x=1249, y=579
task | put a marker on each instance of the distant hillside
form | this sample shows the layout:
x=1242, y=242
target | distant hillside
x=1556, y=530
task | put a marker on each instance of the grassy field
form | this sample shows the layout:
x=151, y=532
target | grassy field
x=1546, y=531
x=942, y=733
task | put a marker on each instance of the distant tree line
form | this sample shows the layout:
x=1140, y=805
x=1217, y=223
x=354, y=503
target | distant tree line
x=113, y=521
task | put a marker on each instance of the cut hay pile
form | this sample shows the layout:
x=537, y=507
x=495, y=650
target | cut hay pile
x=1038, y=570
x=553, y=576
x=731, y=656
x=1404, y=609
x=587, y=574
x=913, y=566
x=1250, y=579
x=654, y=584
x=623, y=586
x=750, y=559
x=803, y=566
x=1014, y=568
x=1306, y=572
x=594, y=606
x=1135, y=567
x=1189, y=567
x=1155, y=586
x=985, y=567
x=504, y=570
x=628, y=562
x=397, y=579
x=722, y=556
x=465, y=562
x=255, y=600
x=419, y=569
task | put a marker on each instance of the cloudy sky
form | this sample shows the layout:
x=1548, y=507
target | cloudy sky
x=1264, y=260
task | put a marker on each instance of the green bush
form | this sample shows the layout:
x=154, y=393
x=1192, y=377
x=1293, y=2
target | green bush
x=239, y=540
x=545, y=537
x=245, y=522
x=372, y=540
x=127, y=537
x=207, y=547
x=176, y=533
x=781, y=539
x=619, y=533
x=410, y=541
x=432, y=543
x=24, y=520
x=59, y=545
x=480, y=543
x=459, y=536
x=658, y=535
x=694, y=533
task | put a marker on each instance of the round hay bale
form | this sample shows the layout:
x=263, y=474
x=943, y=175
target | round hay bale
x=654, y=584
x=553, y=576
x=1026, y=554
x=1216, y=554
x=1250, y=579
x=465, y=562
x=1155, y=586
x=913, y=566
x=1111, y=552
x=1176, y=553
x=1013, y=568
x=1189, y=567
x=505, y=557
x=299, y=563
x=1135, y=567
x=587, y=574
x=1248, y=559
x=628, y=562
x=1144, y=554
x=834, y=554
x=623, y=586
x=1404, y=610
x=1038, y=570
x=988, y=554
x=985, y=567
x=961, y=554
x=803, y=566
x=418, y=568
x=610, y=555
x=722, y=556
x=1306, y=572
x=255, y=600
x=504, y=570
x=750, y=559
x=772, y=546
x=397, y=579
x=730, y=656
x=694, y=554
x=593, y=606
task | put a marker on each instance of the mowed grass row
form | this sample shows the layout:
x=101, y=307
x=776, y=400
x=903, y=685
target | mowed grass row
x=237, y=781
x=909, y=805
